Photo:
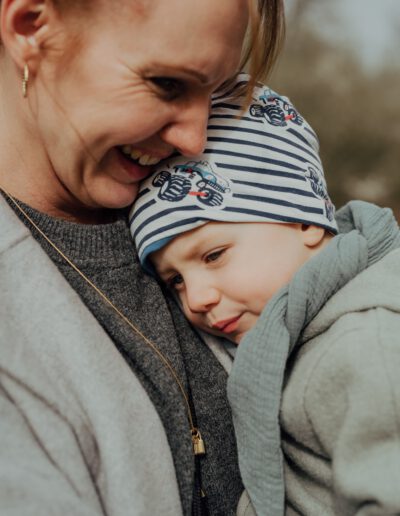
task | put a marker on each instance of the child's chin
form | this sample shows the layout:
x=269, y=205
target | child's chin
x=236, y=339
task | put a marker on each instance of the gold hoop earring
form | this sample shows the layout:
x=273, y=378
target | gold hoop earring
x=25, y=81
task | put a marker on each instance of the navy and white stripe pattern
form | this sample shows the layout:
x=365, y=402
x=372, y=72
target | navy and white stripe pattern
x=260, y=167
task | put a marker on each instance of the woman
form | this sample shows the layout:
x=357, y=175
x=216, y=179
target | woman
x=109, y=403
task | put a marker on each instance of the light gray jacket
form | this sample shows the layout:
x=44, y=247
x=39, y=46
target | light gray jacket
x=78, y=434
x=340, y=412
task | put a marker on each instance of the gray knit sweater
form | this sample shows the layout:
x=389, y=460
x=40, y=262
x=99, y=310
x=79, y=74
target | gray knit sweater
x=106, y=255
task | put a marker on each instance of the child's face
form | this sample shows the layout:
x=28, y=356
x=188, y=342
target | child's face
x=225, y=273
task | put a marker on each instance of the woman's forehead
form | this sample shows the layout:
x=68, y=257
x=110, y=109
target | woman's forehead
x=205, y=37
x=186, y=21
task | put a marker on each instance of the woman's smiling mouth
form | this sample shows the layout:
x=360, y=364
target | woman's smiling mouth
x=139, y=157
x=134, y=171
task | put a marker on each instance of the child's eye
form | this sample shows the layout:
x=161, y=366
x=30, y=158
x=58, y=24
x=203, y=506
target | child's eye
x=214, y=255
x=175, y=282
x=169, y=87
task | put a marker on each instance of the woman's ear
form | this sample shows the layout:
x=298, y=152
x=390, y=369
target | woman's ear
x=312, y=236
x=24, y=27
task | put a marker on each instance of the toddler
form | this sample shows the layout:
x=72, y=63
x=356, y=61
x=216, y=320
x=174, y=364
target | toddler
x=247, y=238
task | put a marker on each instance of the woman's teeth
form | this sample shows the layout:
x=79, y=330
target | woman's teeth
x=139, y=156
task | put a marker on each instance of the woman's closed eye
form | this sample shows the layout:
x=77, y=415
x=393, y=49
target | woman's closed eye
x=214, y=256
x=169, y=87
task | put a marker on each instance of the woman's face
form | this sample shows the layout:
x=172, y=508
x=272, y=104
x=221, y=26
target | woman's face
x=136, y=88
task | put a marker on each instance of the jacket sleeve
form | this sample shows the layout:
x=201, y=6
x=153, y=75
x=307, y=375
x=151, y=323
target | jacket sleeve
x=354, y=406
x=31, y=481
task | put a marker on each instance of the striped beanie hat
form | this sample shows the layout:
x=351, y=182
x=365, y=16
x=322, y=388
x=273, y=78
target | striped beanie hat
x=258, y=166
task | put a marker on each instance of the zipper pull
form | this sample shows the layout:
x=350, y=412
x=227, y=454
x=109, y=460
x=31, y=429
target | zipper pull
x=198, y=443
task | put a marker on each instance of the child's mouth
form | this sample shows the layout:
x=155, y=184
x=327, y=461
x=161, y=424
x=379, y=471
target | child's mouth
x=228, y=325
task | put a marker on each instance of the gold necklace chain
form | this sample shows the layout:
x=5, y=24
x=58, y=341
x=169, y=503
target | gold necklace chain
x=197, y=441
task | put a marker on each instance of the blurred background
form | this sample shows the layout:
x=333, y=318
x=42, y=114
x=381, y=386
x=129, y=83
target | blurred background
x=340, y=66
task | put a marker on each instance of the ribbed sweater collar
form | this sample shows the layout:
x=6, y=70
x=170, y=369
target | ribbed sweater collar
x=87, y=243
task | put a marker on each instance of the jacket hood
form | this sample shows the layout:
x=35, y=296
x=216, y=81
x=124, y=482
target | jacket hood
x=376, y=286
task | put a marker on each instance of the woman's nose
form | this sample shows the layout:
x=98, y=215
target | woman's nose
x=202, y=298
x=188, y=132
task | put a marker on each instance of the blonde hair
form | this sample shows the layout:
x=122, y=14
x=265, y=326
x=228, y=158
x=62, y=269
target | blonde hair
x=263, y=42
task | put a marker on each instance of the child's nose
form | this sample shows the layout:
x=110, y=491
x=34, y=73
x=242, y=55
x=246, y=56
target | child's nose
x=202, y=298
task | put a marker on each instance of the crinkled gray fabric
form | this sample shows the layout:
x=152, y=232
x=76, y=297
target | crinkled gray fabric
x=367, y=233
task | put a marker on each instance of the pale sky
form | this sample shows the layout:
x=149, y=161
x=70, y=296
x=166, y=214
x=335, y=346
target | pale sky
x=373, y=26
x=370, y=27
